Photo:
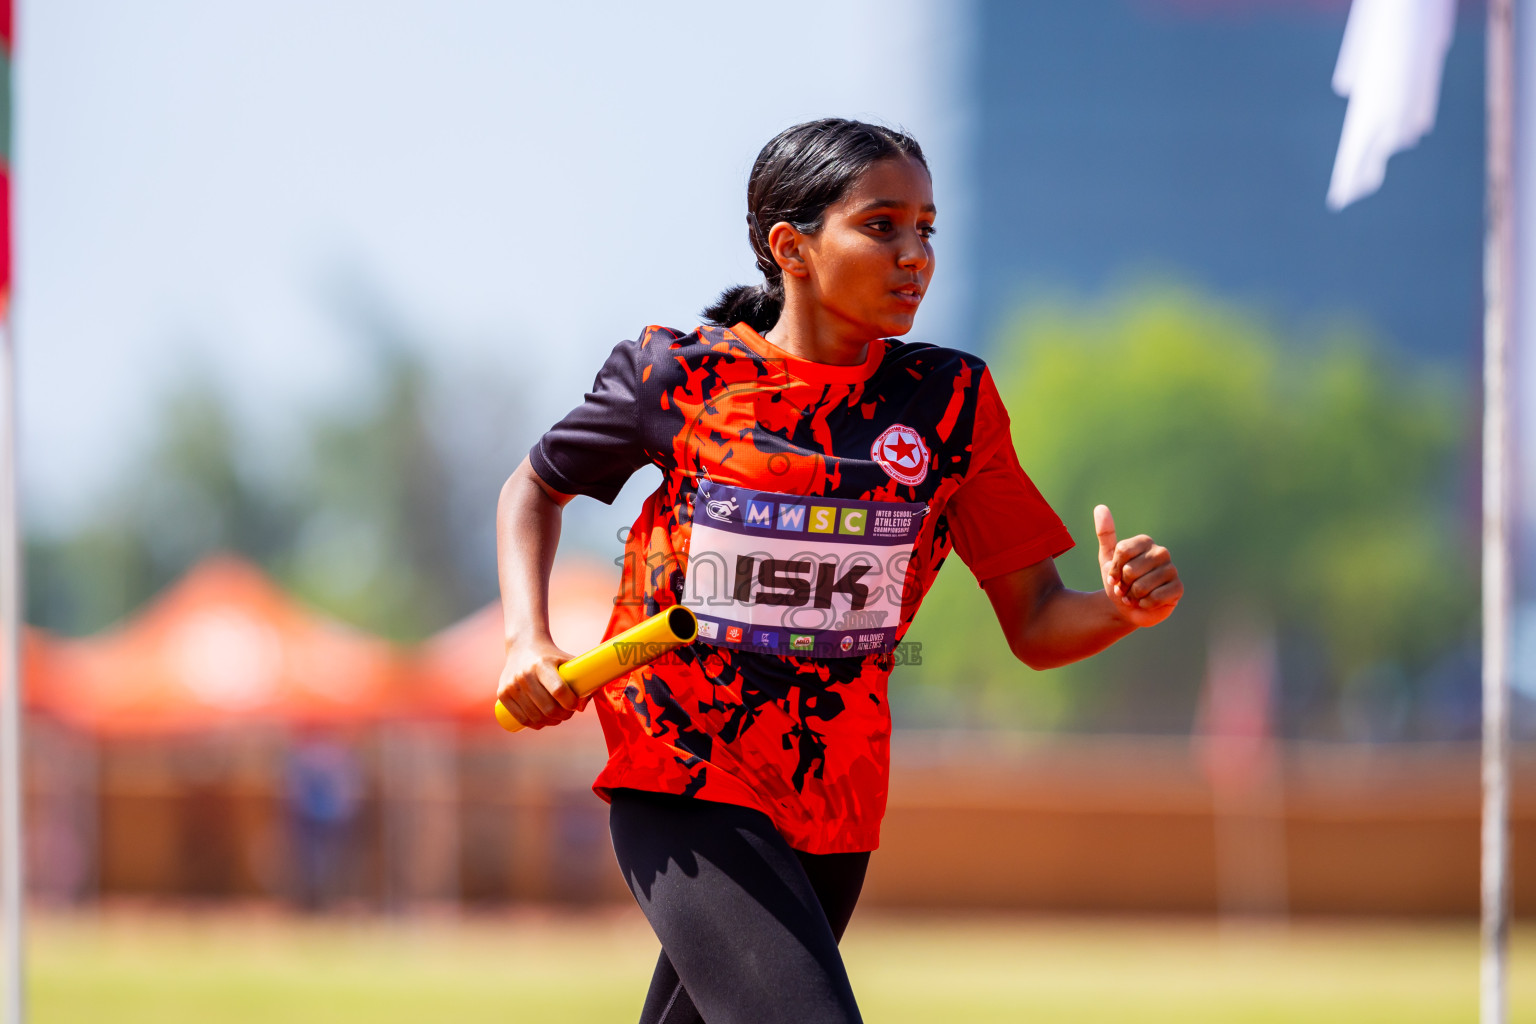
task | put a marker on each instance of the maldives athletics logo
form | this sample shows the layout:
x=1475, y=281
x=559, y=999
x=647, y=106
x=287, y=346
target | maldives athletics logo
x=901, y=453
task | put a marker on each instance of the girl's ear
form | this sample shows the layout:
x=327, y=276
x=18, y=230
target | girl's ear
x=784, y=242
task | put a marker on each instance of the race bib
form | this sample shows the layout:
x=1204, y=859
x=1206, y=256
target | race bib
x=791, y=574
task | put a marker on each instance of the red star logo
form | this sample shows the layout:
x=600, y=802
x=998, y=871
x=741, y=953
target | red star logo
x=903, y=449
x=899, y=450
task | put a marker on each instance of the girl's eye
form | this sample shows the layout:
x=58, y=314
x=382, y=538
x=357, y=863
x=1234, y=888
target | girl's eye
x=927, y=230
x=880, y=225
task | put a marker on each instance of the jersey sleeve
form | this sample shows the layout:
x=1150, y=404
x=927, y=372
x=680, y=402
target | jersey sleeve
x=998, y=519
x=599, y=444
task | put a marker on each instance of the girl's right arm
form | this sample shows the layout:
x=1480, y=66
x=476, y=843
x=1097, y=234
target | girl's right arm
x=527, y=531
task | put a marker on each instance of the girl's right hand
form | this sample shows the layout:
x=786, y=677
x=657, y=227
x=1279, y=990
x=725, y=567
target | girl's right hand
x=531, y=687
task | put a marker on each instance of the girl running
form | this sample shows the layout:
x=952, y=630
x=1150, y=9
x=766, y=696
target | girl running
x=816, y=473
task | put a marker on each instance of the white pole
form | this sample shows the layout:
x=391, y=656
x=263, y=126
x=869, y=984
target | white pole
x=1498, y=295
x=11, y=848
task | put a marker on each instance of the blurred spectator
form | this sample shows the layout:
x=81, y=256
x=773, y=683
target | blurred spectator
x=324, y=796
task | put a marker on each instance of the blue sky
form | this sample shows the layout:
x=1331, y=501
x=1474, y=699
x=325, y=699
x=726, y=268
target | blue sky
x=527, y=183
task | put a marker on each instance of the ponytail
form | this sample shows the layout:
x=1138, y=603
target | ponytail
x=755, y=305
x=800, y=172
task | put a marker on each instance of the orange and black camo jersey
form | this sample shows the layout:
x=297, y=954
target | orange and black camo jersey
x=804, y=511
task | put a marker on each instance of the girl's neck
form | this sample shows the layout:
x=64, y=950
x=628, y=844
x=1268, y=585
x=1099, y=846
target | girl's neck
x=807, y=331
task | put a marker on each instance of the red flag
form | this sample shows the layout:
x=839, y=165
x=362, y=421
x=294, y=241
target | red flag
x=5, y=159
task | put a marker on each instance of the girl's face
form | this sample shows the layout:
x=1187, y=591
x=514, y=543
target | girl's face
x=870, y=264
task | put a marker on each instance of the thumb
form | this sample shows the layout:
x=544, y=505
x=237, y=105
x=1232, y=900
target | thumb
x=1104, y=526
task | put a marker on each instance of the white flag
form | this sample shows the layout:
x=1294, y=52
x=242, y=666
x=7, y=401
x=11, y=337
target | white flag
x=1389, y=68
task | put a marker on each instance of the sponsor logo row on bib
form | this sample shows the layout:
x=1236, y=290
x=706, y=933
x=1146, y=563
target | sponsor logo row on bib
x=806, y=643
x=794, y=517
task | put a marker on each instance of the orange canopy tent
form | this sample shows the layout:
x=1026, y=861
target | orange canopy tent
x=38, y=657
x=455, y=673
x=222, y=646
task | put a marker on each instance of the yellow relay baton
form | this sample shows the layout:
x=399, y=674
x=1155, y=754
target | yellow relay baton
x=623, y=652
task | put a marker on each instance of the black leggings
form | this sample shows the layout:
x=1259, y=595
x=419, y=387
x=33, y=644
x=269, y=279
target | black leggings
x=748, y=926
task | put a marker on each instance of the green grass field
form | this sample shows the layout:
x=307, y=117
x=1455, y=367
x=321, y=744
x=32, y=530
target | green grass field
x=139, y=966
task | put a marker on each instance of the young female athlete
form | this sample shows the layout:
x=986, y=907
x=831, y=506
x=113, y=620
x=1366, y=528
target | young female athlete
x=816, y=472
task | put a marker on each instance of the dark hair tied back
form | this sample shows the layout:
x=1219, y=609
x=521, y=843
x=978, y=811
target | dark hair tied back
x=799, y=173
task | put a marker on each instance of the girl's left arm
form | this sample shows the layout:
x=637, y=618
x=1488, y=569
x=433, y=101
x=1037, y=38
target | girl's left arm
x=1048, y=625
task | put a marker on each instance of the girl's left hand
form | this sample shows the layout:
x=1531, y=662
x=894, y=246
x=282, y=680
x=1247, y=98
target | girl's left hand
x=1140, y=579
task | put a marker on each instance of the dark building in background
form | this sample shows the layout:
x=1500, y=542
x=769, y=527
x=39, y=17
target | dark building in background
x=1192, y=141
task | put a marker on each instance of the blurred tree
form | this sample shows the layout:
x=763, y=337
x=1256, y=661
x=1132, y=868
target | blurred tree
x=383, y=518
x=1312, y=486
x=187, y=496
x=375, y=547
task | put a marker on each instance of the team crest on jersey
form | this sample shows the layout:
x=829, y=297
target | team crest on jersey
x=900, y=451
